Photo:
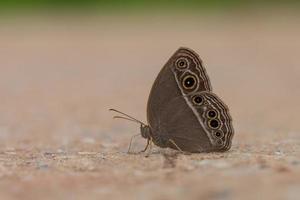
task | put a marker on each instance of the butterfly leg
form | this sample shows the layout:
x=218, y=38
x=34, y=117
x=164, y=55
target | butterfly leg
x=177, y=147
x=129, y=147
x=148, y=142
x=150, y=148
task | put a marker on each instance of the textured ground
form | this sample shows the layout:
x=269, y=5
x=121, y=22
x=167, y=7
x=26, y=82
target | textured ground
x=59, y=77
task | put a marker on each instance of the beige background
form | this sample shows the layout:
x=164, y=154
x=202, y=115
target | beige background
x=59, y=77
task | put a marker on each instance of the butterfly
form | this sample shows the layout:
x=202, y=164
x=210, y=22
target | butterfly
x=182, y=111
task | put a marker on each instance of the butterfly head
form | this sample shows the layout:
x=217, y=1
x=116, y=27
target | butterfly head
x=145, y=131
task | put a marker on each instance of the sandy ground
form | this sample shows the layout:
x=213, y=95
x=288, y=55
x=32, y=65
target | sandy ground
x=59, y=77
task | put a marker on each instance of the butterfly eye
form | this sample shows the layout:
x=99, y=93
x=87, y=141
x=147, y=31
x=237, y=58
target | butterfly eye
x=211, y=114
x=198, y=100
x=214, y=124
x=182, y=63
x=189, y=82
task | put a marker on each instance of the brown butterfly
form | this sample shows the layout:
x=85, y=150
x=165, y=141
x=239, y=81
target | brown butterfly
x=183, y=113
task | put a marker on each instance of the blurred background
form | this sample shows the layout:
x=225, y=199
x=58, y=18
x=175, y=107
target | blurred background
x=63, y=64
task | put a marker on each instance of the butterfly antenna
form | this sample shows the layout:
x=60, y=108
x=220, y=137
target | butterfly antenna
x=121, y=117
x=128, y=117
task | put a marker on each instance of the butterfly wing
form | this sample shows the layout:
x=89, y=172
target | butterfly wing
x=170, y=112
